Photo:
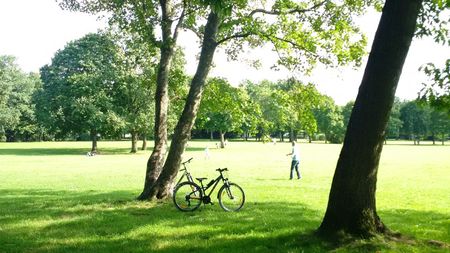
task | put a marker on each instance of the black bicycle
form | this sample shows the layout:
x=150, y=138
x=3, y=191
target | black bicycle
x=186, y=173
x=188, y=196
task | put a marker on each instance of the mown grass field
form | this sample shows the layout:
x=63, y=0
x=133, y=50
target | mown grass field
x=53, y=198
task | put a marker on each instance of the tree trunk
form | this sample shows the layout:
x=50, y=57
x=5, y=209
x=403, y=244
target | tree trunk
x=211, y=137
x=94, y=141
x=222, y=139
x=144, y=142
x=156, y=160
x=351, y=205
x=187, y=119
x=133, y=142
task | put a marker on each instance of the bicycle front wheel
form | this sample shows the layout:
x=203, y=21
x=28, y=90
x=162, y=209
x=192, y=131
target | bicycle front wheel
x=187, y=196
x=231, y=197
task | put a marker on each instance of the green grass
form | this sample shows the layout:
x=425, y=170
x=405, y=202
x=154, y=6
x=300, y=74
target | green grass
x=53, y=198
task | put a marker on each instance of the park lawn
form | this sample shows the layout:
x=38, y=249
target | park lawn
x=53, y=198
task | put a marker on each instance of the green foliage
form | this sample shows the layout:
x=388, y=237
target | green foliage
x=416, y=120
x=79, y=85
x=330, y=120
x=302, y=33
x=394, y=123
x=433, y=21
x=17, y=114
x=347, y=111
x=222, y=107
x=436, y=92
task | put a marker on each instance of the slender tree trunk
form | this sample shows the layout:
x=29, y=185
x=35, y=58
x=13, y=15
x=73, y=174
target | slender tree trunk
x=351, y=205
x=222, y=139
x=144, y=142
x=211, y=137
x=156, y=160
x=94, y=141
x=187, y=119
x=133, y=142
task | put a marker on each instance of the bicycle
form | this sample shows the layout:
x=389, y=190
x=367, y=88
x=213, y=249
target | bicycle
x=186, y=173
x=188, y=196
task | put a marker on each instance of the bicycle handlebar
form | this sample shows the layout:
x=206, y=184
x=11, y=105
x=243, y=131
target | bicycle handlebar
x=220, y=170
x=188, y=161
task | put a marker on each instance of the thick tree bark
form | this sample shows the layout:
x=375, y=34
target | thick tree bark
x=134, y=140
x=162, y=188
x=94, y=141
x=156, y=160
x=351, y=205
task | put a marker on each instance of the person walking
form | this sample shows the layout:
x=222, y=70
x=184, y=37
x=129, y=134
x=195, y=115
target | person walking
x=295, y=161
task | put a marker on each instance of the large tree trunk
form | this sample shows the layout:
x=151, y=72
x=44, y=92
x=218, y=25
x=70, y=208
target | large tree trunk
x=134, y=140
x=351, y=205
x=156, y=160
x=187, y=119
x=94, y=141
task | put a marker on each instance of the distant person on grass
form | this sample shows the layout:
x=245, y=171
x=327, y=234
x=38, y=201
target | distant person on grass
x=295, y=161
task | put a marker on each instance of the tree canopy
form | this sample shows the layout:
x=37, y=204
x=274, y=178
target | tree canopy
x=78, y=88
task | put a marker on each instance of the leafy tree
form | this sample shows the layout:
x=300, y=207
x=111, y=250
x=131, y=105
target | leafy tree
x=252, y=115
x=221, y=108
x=304, y=99
x=131, y=96
x=416, y=121
x=352, y=204
x=394, y=123
x=347, y=111
x=261, y=94
x=78, y=88
x=329, y=120
x=440, y=125
x=17, y=117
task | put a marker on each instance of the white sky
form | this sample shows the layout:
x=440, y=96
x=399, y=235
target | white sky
x=33, y=30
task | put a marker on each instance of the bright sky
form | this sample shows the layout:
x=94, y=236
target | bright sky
x=33, y=30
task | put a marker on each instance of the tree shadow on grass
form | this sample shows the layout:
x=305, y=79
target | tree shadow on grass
x=64, y=221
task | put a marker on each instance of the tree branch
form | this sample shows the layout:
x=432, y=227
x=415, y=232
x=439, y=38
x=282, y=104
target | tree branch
x=291, y=11
x=199, y=35
x=180, y=22
x=234, y=36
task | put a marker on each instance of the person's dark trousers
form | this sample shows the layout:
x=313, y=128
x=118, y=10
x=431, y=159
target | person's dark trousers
x=294, y=165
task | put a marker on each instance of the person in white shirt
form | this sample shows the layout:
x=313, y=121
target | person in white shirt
x=295, y=161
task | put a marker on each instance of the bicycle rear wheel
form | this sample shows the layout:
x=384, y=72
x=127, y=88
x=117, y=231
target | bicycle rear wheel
x=231, y=197
x=187, y=196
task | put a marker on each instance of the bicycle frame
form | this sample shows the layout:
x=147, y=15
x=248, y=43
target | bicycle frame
x=214, y=184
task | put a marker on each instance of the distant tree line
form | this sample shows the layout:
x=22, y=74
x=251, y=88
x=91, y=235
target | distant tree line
x=94, y=88
x=288, y=109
